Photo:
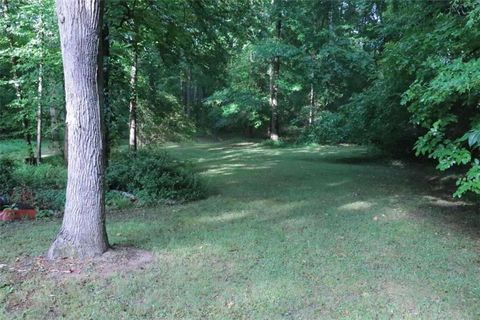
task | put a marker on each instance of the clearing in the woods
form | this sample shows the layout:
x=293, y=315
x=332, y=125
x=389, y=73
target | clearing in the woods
x=286, y=233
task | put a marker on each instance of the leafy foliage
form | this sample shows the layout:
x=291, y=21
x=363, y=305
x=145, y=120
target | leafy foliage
x=154, y=177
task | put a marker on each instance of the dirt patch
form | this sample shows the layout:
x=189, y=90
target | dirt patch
x=116, y=260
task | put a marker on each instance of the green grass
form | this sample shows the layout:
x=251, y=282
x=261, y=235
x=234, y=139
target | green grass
x=17, y=149
x=287, y=233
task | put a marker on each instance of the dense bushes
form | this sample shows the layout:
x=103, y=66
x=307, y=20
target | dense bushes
x=150, y=176
x=7, y=181
x=328, y=128
x=153, y=177
x=41, y=186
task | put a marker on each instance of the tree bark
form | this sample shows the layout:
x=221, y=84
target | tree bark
x=274, y=74
x=132, y=121
x=83, y=232
x=65, y=140
x=133, y=143
x=39, y=113
x=312, y=106
x=40, y=93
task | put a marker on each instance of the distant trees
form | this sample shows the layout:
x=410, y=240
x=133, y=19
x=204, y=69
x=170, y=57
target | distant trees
x=384, y=72
x=30, y=56
x=370, y=71
x=160, y=58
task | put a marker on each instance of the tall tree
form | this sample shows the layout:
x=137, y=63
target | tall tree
x=83, y=232
x=274, y=74
x=40, y=39
x=132, y=121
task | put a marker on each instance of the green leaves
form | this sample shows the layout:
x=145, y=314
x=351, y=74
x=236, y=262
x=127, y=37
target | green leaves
x=473, y=138
x=470, y=182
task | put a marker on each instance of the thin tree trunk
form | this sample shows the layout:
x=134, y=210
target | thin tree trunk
x=39, y=113
x=40, y=94
x=312, y=106
x=133, y=102
x=132, y=108
x=83, y=229
x=54, y=136
x=274, y=74
x=188, y=94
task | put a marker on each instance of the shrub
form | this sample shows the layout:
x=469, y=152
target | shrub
x=116, y=200
x=329, y=128
x=154, y=177
x=274, y=144
x=7, y=180
x=44, y=176
x=151, y=175
x=45, y=182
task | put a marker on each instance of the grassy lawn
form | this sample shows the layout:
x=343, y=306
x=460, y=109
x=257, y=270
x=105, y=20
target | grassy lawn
x=17, y=149
x=290, y=233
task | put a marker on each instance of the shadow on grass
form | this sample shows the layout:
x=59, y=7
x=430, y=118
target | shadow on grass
x=456, y=215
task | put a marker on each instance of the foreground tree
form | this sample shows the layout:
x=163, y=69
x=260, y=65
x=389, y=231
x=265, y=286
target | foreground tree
x=83, y=231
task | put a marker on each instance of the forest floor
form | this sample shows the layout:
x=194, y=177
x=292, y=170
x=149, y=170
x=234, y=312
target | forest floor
x=287, y=233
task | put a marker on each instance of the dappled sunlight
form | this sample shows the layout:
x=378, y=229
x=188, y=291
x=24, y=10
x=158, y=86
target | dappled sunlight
x=226, y=217
x=337, y=184
x=230, y=168
x=445, y=203
x=357, y=205
x=245, y=144
x=279, y=231
x=397, y=163
x=171, y=146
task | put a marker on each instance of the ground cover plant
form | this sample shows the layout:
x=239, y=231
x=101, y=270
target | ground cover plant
x=147, y=178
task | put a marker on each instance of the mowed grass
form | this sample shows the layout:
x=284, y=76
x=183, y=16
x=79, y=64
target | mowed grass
x=17, y=149
x=290, y=233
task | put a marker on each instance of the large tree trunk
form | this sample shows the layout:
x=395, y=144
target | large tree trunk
x=65, y=140
x=83, y=231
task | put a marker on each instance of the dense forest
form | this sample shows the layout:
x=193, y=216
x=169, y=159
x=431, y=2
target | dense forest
x=402, y=75
x=256, y=159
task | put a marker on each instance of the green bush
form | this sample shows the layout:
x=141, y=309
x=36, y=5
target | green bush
x=274, y=144
x=45, y=182
x=115, y=200
x=153, y=177
x=44, y=176
x=7, y=180
x=329, y=128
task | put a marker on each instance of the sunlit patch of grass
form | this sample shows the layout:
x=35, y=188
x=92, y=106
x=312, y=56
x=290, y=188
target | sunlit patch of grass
x=17, y=149
x=291, y=233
